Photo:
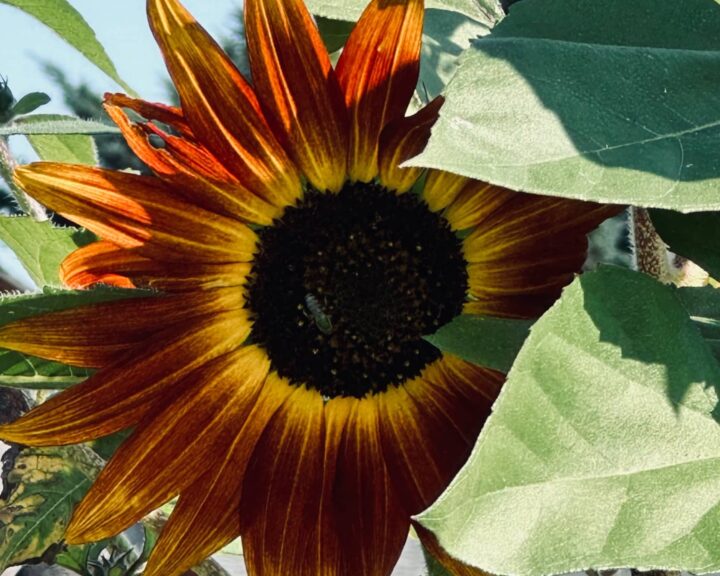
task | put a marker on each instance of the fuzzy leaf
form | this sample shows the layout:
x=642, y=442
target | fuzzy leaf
x=46, y=125
x=68, y=23
x=604, y=100
x=483, y=340
x=703, y=306
x=46, y=483
x=487, y=12
x=41, y=246
x=603, y=449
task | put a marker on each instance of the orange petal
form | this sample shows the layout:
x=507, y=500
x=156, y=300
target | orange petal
x=441, y=189
x=170, y=115
x=137, y=212
x=119, y=396
x=207, y=516
x=298, y=89
x=220, y=105
x=371, y=522
x=402, y=139
x=453, y=566
x=430, y=424
x=106, y=263
x=193, y=171
x=378, y=71
x=281, y=499
x=96, y=335
x=171, y=449
x=524, y=248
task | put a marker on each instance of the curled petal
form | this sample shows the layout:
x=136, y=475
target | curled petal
x=220, y=106
x=192, y=170
x=378, y=71
x=297, y=86
x=104, y=263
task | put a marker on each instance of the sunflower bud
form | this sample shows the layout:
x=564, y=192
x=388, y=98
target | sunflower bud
x=6, y=100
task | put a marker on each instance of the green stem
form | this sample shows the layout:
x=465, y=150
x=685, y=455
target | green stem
x=7, y=166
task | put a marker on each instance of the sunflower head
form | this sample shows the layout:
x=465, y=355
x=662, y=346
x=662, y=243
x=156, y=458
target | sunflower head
x=278, y=380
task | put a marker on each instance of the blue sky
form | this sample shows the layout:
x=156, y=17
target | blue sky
x=122, y=29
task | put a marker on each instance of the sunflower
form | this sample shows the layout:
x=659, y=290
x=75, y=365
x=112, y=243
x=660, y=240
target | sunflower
x=277, y=379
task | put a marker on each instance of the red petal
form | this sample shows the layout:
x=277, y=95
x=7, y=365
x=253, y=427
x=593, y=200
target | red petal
x=220, y=105
x=193, y=171
x=298, y=88
x=430, y=424
x=174, y=447
x=137, y=212
x=207, y=516
x=119, y=396
x=378, y=71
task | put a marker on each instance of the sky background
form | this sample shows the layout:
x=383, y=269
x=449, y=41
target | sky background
x=122, y=29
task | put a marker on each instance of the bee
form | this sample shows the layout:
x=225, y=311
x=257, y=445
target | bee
x=322, y=320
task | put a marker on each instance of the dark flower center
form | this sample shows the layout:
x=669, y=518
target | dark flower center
x=345, y=285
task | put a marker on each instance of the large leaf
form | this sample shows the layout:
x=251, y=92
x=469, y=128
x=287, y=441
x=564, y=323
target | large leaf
x=488, y=12
x=603, y=449
x=49, y=124
x=703, y=306
x=46, y=484
x=69, y=148
x=484, y=340
x=606, y=100
x=695, y=236
x=446, y=35
x=62, y=18
x=41, y=246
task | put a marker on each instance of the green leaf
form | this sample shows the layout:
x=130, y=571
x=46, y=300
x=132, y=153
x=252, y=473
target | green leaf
x=46, y=484
x=46, y=125
x=41, y=246
x=695, y=236
x=69, y=148
x=334, y=32
x=488, y=12
x=604, y=100
x=703, y=307
x=446, y=35
x=484, y=340
x=68, y=23
x=30, y=103
x=603, y=449
x=31, y=373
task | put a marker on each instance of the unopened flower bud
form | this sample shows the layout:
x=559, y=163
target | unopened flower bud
x=6, y=100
